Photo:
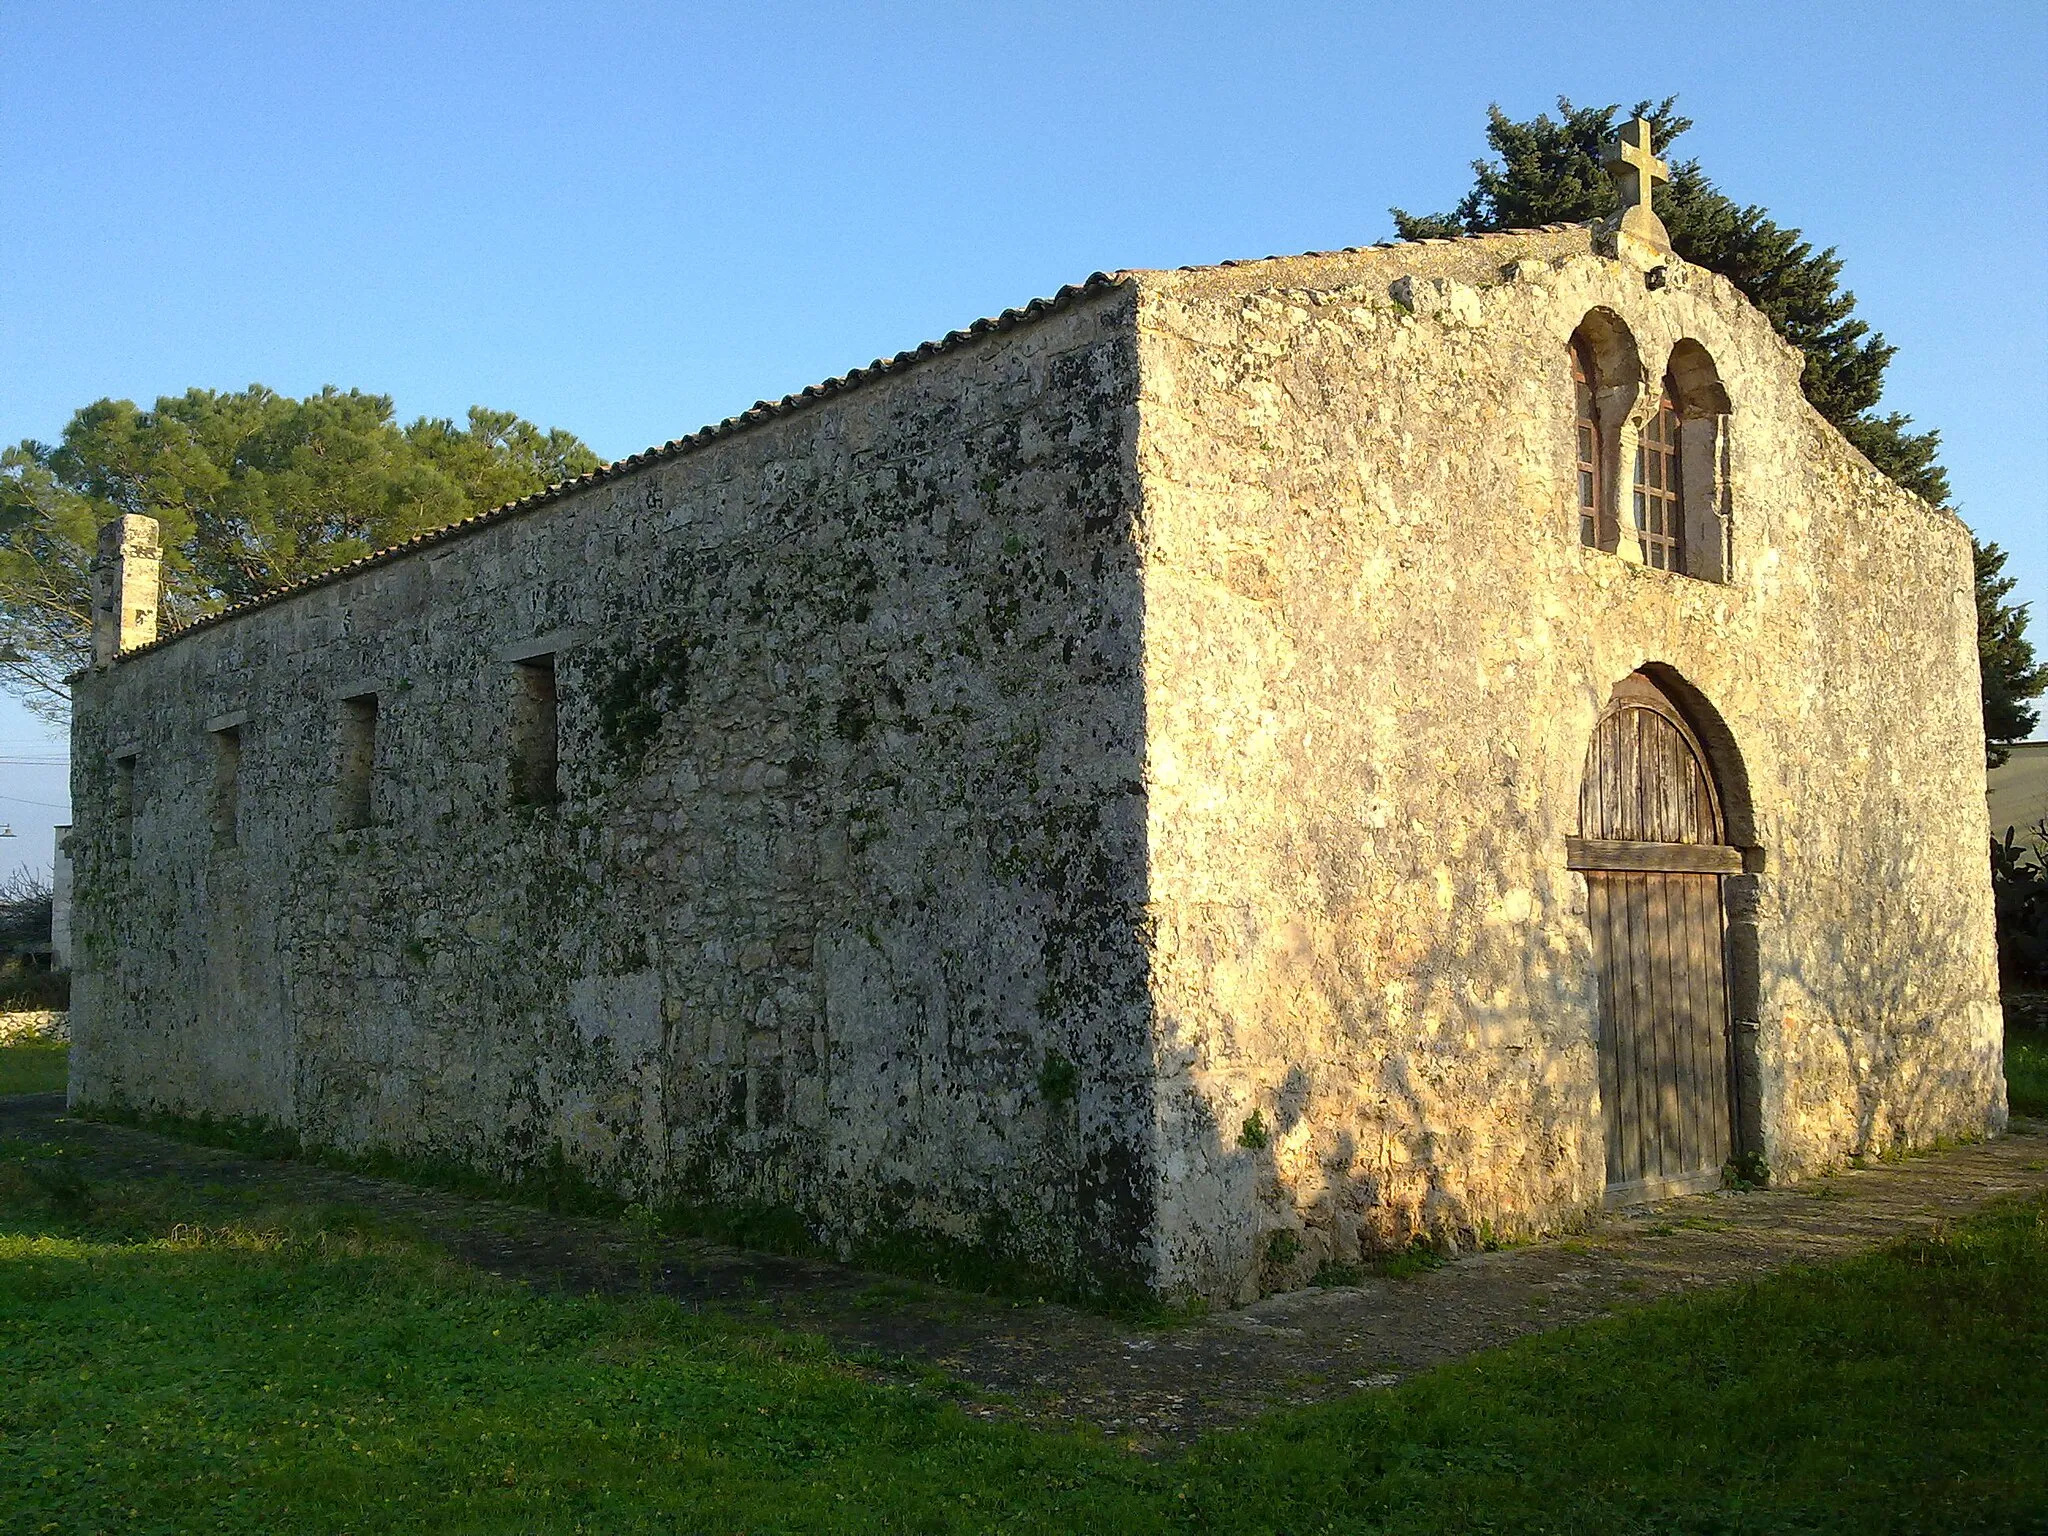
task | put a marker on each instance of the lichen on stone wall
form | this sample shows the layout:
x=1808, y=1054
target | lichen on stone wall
x=1096, y=797
x=1377, y=649
x=804, y=678
x=634, y=690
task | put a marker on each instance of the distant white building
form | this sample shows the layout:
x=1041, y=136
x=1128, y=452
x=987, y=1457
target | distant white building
x=2018, y=788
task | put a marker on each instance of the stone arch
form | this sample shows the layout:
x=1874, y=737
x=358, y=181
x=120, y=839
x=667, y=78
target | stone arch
x=1724, y=757
x=1613, y=348
x=1604, y=347
x=1695, y=381
x=1740, y=894
x=1694, y=386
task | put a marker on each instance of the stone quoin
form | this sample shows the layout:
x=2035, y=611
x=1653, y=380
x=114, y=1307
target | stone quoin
x=1191, y=782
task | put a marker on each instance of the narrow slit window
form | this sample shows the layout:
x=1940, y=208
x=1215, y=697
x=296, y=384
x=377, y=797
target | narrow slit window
x=1659, y=506
x=536, y=751
x=356, y=804
x=227, y=790
x=1586, y=447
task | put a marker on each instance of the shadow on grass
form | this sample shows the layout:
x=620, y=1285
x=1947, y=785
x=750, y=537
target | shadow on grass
x=557, y=1185
x=199, y=1357
x=33, y=1066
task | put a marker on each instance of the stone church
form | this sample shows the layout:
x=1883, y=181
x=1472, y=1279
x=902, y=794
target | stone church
x=1181, y=784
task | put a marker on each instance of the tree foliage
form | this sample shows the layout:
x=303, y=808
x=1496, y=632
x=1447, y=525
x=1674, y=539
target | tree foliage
x=1550, y=171
x=2012, y=677
x=253, y=490
x=2019, y=892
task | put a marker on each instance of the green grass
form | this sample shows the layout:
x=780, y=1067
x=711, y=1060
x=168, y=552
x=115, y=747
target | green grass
x=179, y=1358
x=556, y=1184
x=33, y=1066
x=2026, y=1071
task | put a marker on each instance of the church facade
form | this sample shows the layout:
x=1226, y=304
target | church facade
x=1190, y=782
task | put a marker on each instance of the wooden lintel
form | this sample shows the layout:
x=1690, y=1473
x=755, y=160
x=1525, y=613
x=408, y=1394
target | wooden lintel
x=1676, y=858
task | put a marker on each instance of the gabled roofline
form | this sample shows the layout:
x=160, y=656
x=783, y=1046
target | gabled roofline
x=761, y=412
x=764, y=411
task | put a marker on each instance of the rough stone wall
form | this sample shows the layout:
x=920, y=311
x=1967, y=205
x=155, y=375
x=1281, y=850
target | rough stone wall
x=841, y=908
x=1375, y=654
x=1098, y=792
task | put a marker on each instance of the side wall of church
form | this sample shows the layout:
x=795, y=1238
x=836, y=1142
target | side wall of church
x=1376, y=653
x=840, y=907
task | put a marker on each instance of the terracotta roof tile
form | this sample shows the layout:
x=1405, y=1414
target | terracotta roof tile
x=761, y=411
x=754, y=415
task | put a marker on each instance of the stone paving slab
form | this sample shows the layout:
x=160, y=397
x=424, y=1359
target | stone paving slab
x=1165, y=1385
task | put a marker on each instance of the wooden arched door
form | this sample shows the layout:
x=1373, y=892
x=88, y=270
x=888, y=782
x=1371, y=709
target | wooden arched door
x=1653, y=849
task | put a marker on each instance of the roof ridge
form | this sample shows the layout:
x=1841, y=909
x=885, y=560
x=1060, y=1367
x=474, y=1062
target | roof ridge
x=676, y=447
x=1380, y=245
x=768, y=410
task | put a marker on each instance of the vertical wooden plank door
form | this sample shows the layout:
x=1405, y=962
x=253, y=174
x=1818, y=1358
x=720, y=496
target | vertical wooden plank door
x=1652, y=848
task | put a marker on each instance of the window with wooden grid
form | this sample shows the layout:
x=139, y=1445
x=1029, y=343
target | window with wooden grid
x=1586, y=436
x=1660, y=516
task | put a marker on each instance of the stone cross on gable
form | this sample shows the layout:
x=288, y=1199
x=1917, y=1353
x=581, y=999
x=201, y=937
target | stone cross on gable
x=1636, y=171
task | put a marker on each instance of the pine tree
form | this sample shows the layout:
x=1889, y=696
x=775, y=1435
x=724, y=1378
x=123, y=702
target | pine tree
x=2011, y=675
x=252, y=489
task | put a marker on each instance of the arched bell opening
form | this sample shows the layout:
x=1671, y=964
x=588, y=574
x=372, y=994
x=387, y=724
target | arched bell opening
x=1655, y=848
x=1700, y=412
x=1607, y=375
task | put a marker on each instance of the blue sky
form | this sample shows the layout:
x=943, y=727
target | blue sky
x=632, y=220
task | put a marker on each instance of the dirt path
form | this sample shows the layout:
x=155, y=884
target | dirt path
x=1167, y=1385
